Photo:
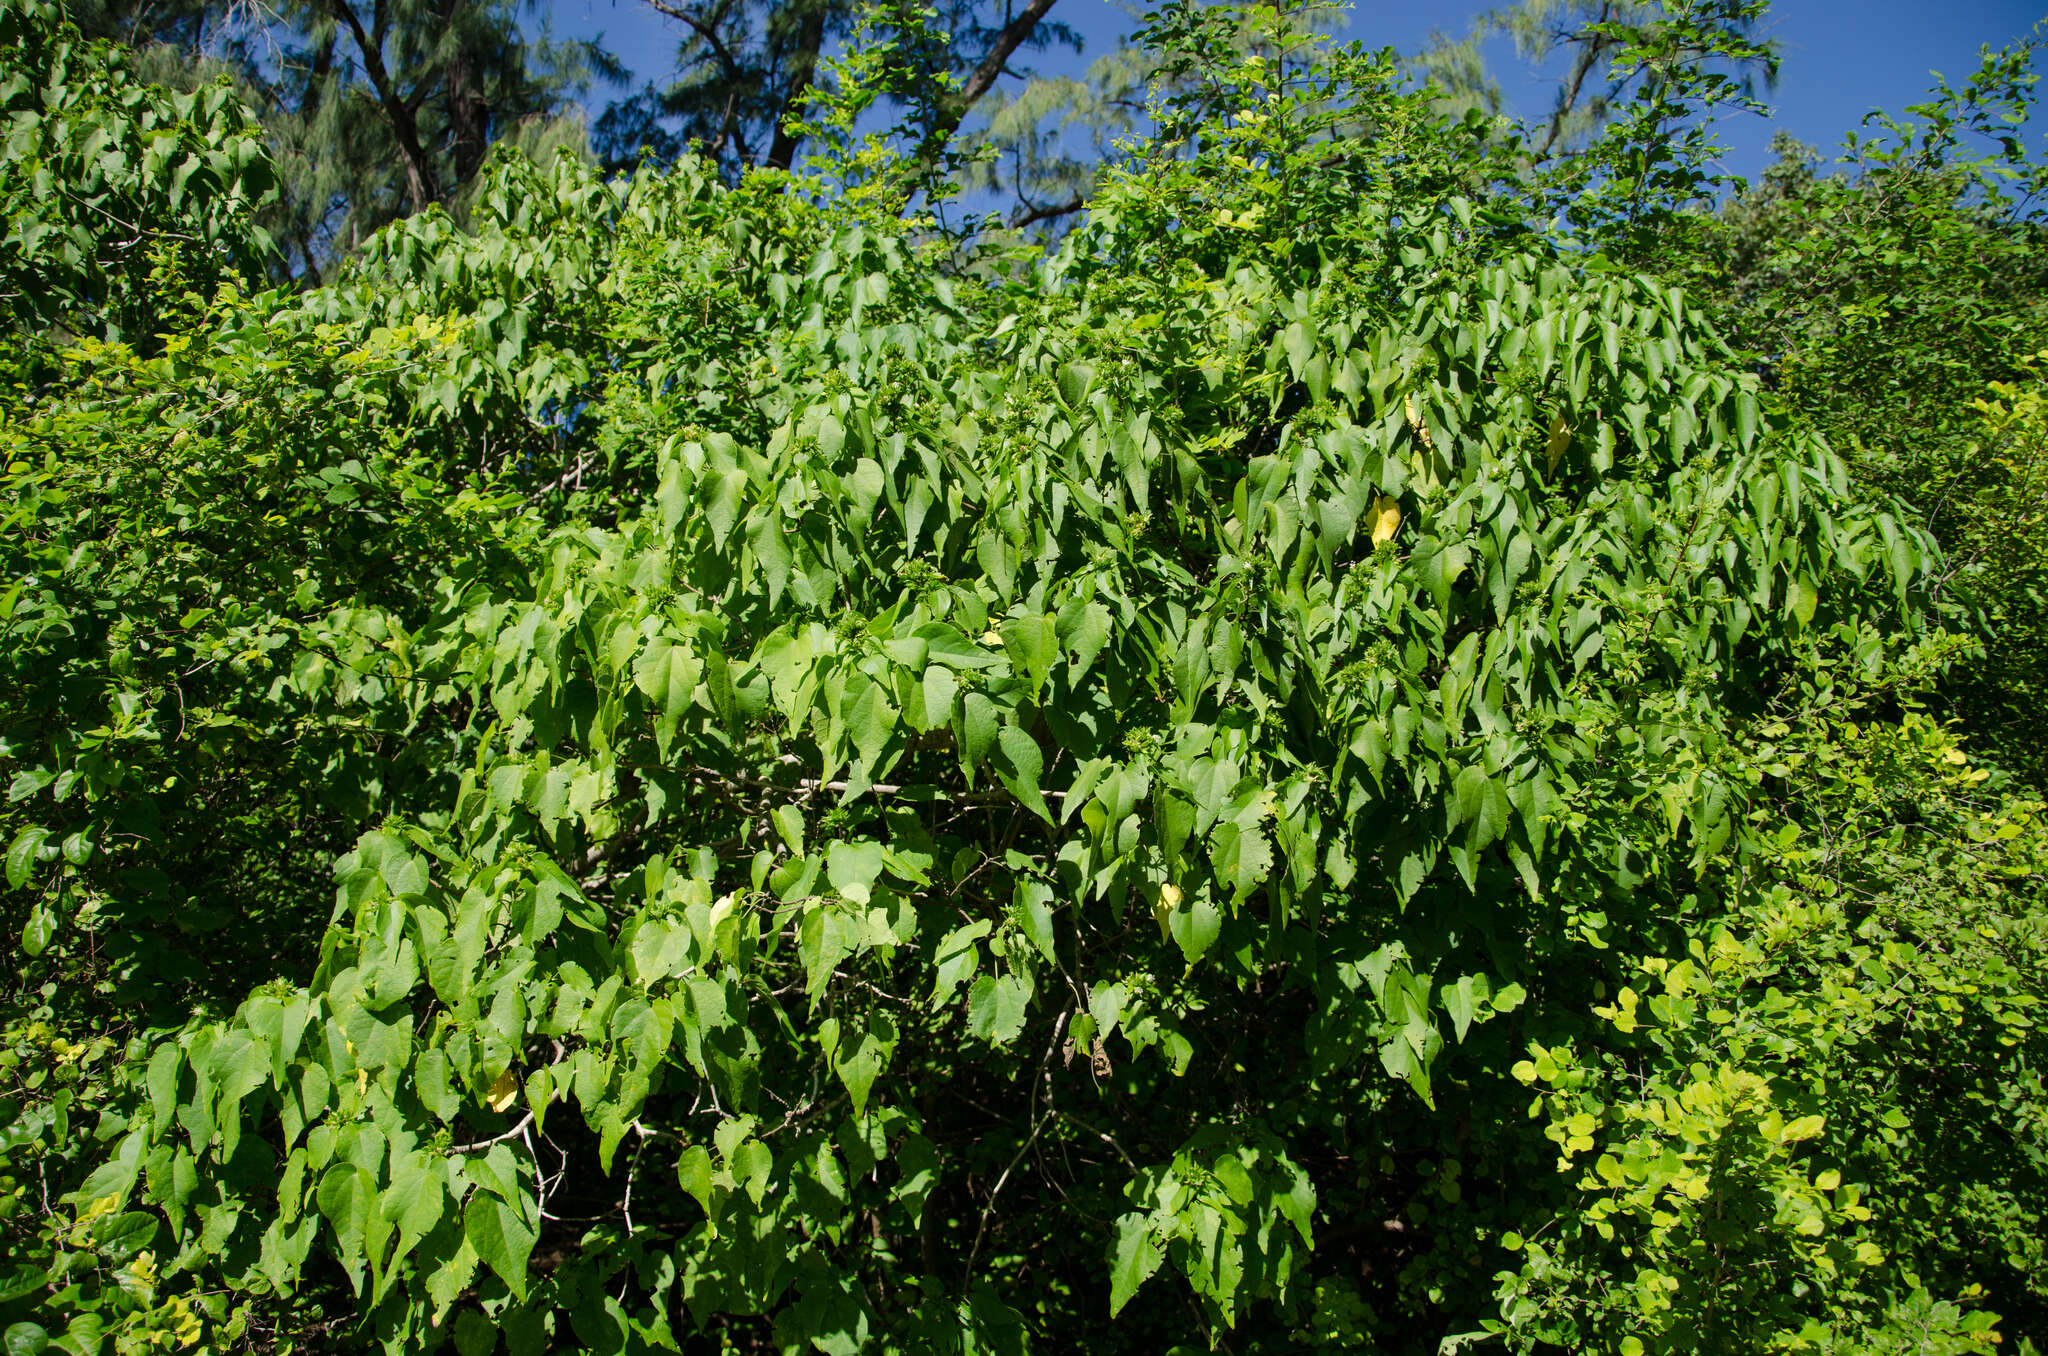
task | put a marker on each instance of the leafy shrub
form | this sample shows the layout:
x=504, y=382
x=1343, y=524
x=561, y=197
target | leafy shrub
x=879, y=805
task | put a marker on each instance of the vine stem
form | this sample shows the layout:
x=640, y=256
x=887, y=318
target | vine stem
x=988, y=1207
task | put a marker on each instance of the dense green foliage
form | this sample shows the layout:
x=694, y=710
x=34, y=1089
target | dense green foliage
x=369, y=111
x=691, y=765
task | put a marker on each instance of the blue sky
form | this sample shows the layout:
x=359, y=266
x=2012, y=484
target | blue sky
x=1842, y=58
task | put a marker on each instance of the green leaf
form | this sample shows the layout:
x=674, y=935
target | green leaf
x=347, y=1198
x=21, y=858
x=1236, y=1182
x=939, y=688
x=1106, y=1005
x=859, y=1068
x=956, y=959
x=976, y=733
x=1463, y=999
x=1195, y=922
x=1243, y=859
x=1084, y=630
x=1074, y=381
x=1031, y=906
x=418, y=1193
x=870, y=720
x=40, y=929
x=853, y=868
x=722, y=502
x=1745, y=417
x=694, y=1172
x=500, y=1237
x=718, y=686
x=1032, y=645
x=475, y=1335
x=1490, y=819
x=666, y=673
x=789, y=826
x=822, y=942
x=1802, y=600
x=1136, y=1257
x=121, y=1237
x=753, y=1166
x=1021, y=768
x=166, y=1063
x=996, y=1008
x=1468, y=795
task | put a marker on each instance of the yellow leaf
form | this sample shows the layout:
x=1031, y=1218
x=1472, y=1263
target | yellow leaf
x=1806, y=1127
x=1560, y=439
x=503, y=1092
x=1386, y=517
x=1415, y=422
x=1169, y=897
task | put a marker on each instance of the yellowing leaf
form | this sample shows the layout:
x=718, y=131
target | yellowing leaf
x=1385, y=516
x=1560, y=439
x=504, y=1091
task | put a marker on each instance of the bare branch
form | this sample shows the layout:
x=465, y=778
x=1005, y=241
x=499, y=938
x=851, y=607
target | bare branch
x=1022, y=218
x=703, y=30
x=990, y=70
x=477, y=1146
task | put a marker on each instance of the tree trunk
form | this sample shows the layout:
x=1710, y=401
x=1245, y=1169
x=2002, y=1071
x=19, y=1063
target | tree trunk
x=420, y=184
x=1013, y=35
x=803, y=69
x=469, y=112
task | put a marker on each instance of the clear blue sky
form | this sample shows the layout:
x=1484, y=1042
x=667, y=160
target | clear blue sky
x=1842, y=58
